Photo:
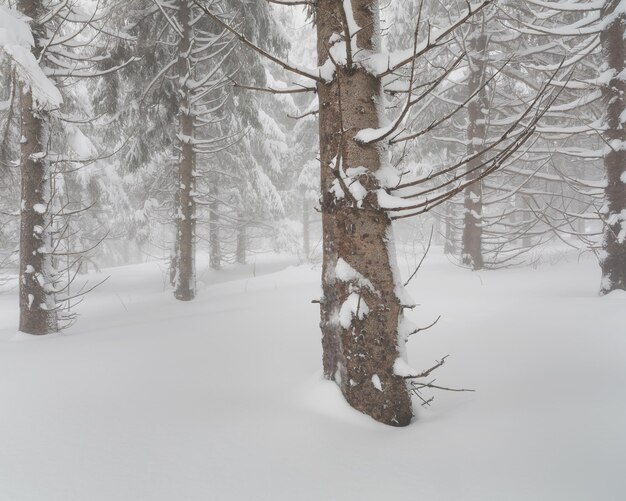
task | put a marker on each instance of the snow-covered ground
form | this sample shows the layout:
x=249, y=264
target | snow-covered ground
x=220, y=399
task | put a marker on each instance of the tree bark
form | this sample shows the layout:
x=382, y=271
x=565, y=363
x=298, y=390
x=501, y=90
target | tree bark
x=472, y=254
x=38, y=312
x=613, y=262
x=359, y=316
x=186, y=214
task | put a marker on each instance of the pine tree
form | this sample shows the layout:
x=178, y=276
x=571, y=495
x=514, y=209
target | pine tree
x=61, y=43
x=593, y=34
x=362, y=309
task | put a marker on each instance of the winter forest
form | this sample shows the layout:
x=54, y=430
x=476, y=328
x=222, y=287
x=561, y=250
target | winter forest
x=312, y=250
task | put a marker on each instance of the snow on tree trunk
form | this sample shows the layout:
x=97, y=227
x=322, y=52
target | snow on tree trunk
x=186, y=214
x=38, y=313
x=476, y=129
x=360, y=308
x=613, y=260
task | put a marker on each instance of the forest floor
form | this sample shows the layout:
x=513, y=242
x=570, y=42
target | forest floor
x=149, y=399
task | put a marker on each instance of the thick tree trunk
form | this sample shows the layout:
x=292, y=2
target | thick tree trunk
x=472, y=254
x=613, y=261
x=186, y=214
x=38, y=312
x=360, y=308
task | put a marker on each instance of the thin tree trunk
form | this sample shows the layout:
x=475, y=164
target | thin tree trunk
x=526, y=218
x=360, y=308
x=215, y=246
x=306, y=229
x=186, y=216
x=174, y=269
x=613, y=261
x=437, y=238
x=242, y=244
x=472, y=254
x=38, y=313
x=174, y=261
x=449, y=246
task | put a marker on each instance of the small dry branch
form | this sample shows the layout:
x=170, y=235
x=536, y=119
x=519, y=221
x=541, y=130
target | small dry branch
x=416, y=386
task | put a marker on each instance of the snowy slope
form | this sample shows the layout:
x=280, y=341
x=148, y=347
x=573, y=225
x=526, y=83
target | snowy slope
x=221, y=399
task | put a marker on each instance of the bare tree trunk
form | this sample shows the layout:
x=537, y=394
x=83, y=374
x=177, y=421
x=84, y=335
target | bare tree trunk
x=306, y=229
x=186, y=215
x=520, y=219
x=527, y=218
x=215, y=246
x=242, y=244
x=174, y=268
x=472, y=254
x=360, y=308
x=174, y=261
x=38, y=312
x=449, y=247
x=437, y=237
x=613, y=261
